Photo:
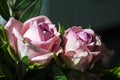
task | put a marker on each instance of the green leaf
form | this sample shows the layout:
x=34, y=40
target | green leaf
x=110, y=73
x=10, y=6
x=2, y=33
x=5, y=44
x=116, y=72
x=31, y=11
x=22, y=4
x=13, y=55
x=58, y=74
x=4, y=10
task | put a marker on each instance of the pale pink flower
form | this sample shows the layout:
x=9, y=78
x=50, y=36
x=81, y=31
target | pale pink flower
x=82, y=48
x=37, y=38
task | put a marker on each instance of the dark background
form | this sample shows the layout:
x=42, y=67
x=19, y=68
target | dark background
x=111, y=37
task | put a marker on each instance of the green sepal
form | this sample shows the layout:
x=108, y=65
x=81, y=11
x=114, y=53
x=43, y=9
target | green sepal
x=44, y=73
x=25, y=60
x=35, y=66
x=89, y=26
x=61, y=28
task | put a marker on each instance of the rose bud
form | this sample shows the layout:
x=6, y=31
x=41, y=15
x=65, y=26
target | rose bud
x=82, y=48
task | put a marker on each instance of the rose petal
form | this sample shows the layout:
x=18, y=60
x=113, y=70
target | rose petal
x=33, y=34
x=38, y=19
x=72, y=43
x=42, y=57
x=12, y=23
x=27, y=49
x=76, y=29
x=89, y=31
x=17, y=34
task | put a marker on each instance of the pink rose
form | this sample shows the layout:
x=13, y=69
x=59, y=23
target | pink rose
x=82, y=48
x=37, y=38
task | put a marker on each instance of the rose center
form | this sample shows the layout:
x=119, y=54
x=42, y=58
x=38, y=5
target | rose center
x=46, y=31
x=84, y=36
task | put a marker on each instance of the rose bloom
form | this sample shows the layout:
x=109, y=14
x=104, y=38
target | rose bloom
x=82, y=48
x=37, y=38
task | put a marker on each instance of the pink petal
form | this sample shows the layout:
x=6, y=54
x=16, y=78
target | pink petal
x=33, y=34
x=51, y=44
x=43, y=59
x=12, y=23
x=76, y=29
x=39, y=19
x=98, y=41
x=89, y=31
x=27, y=49
x=72, y=43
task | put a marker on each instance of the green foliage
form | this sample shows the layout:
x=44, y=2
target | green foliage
x=6, y=61
x=31, y=11
x=3, y=37
x=22, y=67
x=22, y=4
x=110, y=74
x=4, y=44
x=4, y=10
x=116, y=72
x=21, y=10
x=58, y=73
